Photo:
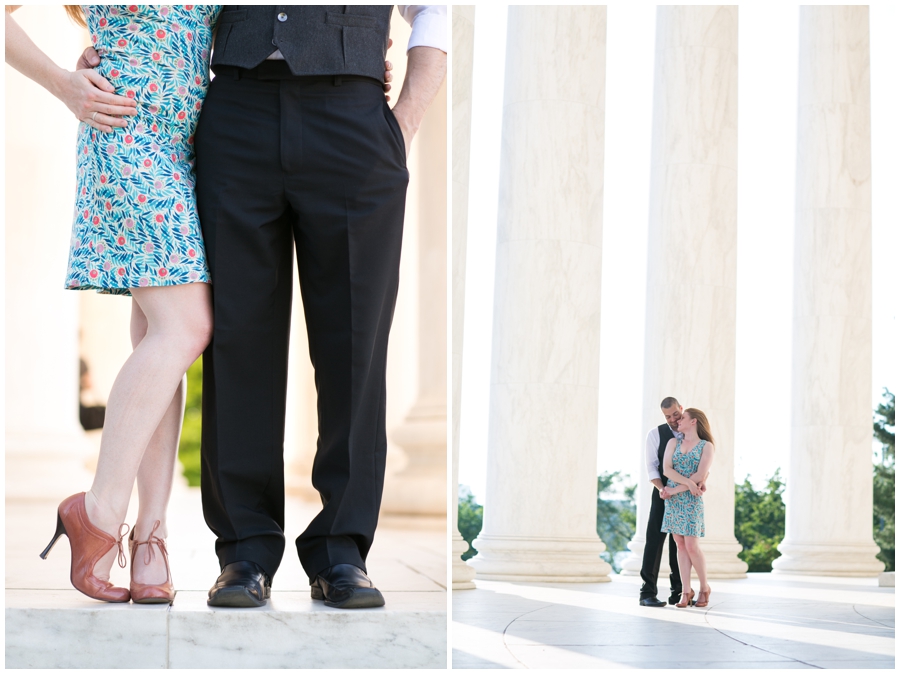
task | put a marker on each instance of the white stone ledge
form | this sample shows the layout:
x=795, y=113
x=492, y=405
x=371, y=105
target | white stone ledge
x=63, y=629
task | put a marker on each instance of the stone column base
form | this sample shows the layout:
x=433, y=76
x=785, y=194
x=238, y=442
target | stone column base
x=47, y=465
x=548, y=560
x=420, y=488
x=633, y=563
x=856, y=560
x=463, y=574
x=721, y=558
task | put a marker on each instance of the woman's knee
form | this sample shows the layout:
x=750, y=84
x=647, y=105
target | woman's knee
x=691, y=544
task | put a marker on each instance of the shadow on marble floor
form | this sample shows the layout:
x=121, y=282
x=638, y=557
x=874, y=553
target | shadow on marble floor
x=763, y=621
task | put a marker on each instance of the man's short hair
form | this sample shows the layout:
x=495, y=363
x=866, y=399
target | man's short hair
x=668, y=402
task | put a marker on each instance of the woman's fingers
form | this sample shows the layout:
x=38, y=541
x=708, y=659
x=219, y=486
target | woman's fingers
x=105, y=128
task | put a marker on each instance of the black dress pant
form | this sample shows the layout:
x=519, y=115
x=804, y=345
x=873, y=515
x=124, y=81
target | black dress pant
x=317, y=164
x=653, y=550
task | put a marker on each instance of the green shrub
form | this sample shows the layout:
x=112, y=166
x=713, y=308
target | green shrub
x=189, y=447
x=470, y=519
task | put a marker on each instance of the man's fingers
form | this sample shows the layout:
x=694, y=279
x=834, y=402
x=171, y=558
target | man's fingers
x=388, y=76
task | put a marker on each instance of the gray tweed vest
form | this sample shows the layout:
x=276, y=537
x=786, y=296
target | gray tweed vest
x=314, y=39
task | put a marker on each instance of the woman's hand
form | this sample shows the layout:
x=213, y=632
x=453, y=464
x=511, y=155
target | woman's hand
x=695, y=490
x=91, y=99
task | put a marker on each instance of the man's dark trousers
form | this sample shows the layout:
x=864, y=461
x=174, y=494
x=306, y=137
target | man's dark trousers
x=319, y=164
x=653, y=549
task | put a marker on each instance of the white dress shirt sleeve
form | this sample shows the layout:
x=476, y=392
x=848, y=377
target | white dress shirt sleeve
x=654, y=471
x=429, y=25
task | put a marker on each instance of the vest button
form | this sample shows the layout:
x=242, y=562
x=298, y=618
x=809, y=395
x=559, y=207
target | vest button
x=282, y=17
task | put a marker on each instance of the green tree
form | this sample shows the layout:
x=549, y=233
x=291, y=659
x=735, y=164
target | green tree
x=616, y=518
x=759, y=522
x=883, y=480
x=189, y=447
x=470, y=519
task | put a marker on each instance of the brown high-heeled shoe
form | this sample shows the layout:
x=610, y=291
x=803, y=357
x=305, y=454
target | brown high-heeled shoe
x=143, y=593
x=703, y=601
x=686, y=598
x=88, y=545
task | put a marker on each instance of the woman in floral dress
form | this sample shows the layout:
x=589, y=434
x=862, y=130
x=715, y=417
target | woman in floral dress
x=686, y=462
x=135, y=233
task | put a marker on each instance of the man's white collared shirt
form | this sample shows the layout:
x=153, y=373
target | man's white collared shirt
x=653, y=468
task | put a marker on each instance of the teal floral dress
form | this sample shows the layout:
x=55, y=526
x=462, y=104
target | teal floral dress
x=135, y=214
x=684, y=511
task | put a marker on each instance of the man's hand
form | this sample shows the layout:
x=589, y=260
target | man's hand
x=89, y=59
x=425, y=71
x=388, y=75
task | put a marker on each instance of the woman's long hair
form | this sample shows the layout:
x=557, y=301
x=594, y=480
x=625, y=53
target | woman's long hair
x=703, y=431
x=76, y=14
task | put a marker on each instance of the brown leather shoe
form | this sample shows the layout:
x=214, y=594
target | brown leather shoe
x=88, y=545
x=686, y=598
x=703, y=598
x=143, y=593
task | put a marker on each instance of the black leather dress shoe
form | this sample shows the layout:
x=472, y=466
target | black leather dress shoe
x=345, y=586
x=241, y=585
x=652, y=601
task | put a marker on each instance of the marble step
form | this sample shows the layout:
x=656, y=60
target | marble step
x=64, y=629
x=51, y=625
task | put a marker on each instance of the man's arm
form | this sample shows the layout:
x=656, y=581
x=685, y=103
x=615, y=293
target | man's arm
x=425, y=71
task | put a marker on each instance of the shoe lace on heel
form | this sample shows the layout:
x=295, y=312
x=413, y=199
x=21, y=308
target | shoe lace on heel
x=153, y=539
x=121, y=555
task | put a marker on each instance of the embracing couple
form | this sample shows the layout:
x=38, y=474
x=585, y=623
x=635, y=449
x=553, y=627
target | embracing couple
x=296, y=148
x=682, y=451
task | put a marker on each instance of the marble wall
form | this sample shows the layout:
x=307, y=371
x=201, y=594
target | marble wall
x=829, y=490
x=540, y=501
x=463, y=26
x=46, y=448
x=691, y=274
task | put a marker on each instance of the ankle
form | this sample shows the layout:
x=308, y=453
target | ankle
x=102, y=516
x=144, y=526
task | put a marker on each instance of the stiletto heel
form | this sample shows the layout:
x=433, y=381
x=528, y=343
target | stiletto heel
x=60, y=530
x=89, y=544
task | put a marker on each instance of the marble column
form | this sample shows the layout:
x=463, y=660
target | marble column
x=541, y=492
x=691, y=277
x=463, y=27
x=829, y=486
x=46, y=448
x=421, y=487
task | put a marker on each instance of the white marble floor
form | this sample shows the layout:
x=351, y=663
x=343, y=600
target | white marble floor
x=762, y=622
x=49, y=624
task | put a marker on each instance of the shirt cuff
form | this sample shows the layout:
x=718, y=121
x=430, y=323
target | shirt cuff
x=429, y=28
x=654, y=475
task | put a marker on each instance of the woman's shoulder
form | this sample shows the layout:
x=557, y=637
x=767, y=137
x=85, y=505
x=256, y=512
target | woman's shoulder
x=708, y=446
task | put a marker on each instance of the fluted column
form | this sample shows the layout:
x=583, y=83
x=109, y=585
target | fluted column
x=691, y=274
x=463, y=27
x=540, y=501
x=421, y=487
x=829, y=487
x=46, y=448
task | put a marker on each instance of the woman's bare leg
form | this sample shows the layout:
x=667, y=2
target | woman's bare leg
x=154, y=478
x=692, y=543
x=179, y=325
x=684, y=563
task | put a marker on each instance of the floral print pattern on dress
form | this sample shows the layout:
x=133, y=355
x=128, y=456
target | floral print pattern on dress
x=135, y=221
x=684, y=511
